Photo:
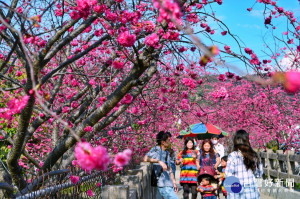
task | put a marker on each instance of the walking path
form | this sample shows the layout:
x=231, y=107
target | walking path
x=180, y=192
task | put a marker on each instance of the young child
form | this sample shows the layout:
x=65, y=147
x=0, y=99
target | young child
x=206, y=189
x=221, y=175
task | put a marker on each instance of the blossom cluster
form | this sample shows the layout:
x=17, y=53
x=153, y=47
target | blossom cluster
x=89, y=158
x=168, y=10
x=14, y=106
x=220, y=93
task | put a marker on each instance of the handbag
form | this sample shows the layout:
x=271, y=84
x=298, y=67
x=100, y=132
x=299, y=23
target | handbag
x=154, y=178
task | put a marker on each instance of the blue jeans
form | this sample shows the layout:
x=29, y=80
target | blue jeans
x=167, y=192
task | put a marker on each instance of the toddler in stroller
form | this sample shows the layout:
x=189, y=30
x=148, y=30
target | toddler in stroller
x=207, y=184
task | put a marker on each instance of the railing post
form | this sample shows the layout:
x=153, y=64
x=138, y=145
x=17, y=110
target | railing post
x=279, y=164
x=268, y=162
x=289, y=165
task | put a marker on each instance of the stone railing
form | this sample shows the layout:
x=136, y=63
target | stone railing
x=281, y=166
x=134, y=185
x=284, y=169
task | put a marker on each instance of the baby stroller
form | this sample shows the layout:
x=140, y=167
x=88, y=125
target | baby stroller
x=208, y=172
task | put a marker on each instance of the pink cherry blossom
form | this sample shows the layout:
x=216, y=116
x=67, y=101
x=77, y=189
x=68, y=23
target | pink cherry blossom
x=90, y=158
x=224, y=33
x=118, y=64
x=127, y=99
x=149, y=26
x=268, y=20
x=248, y=51
x=292, y=83
x=66, y=109
x=88, y=129
x=220, y=93
x=90, y=193
x=152, y=40
x=74, y=162
x=19, y=73
x=227, y=49
x=126, y=39
x=20, y=10
x=222, y=77
x=123, y=158
x=74, y=179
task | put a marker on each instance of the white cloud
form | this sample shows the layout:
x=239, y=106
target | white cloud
x=288, y=63
x=256, y=13
x=250, y=26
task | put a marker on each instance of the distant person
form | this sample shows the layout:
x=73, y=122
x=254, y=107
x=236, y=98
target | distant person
x=217, y=146
x=159, y=155
x=189, y=159
x=197, y=146
x=221, y=175
x=244, y=164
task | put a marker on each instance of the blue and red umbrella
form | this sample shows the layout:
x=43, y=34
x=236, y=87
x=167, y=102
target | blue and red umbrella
x=202, y=131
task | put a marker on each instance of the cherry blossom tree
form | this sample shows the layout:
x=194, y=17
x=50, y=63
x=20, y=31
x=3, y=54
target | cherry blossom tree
x=103, y=76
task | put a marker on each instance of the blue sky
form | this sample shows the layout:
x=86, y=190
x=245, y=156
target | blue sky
x=249, y=26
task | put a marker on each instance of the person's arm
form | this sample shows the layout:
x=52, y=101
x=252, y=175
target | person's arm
x=222, y=152
x=179, y=158
x=173, y=180
x=151, y=160
x=152, y=157
x=198, y=160
x=217, y=162
x=198, y=164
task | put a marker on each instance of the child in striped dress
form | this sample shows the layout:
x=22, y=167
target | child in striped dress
x=189, y=158
x=206, y=189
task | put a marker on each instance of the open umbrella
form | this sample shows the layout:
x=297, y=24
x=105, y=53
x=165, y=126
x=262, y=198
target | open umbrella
x=202, y=131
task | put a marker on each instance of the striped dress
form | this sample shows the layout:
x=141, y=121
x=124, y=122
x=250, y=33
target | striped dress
x=189, y=170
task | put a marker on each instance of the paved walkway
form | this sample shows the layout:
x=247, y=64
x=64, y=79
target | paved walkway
x=180, y=192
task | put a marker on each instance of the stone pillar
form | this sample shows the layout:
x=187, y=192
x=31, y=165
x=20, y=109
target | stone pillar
x=139, y=174
x=290, y=165
x=268, y=162
x=133, y=182
x=115, y=192
x=279, y=164
x=149, y=194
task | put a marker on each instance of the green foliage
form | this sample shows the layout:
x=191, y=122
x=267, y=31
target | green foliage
x=3, y=152
x=136, y=127
x=4, y=144
x=272, y=145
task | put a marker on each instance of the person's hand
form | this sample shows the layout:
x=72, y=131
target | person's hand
x=163, y=165
x=194, y=155
x=175, y=187
x=215, y=176
x=201, y=190
x=218, y=172
x=198, y=168
x=181, y=160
